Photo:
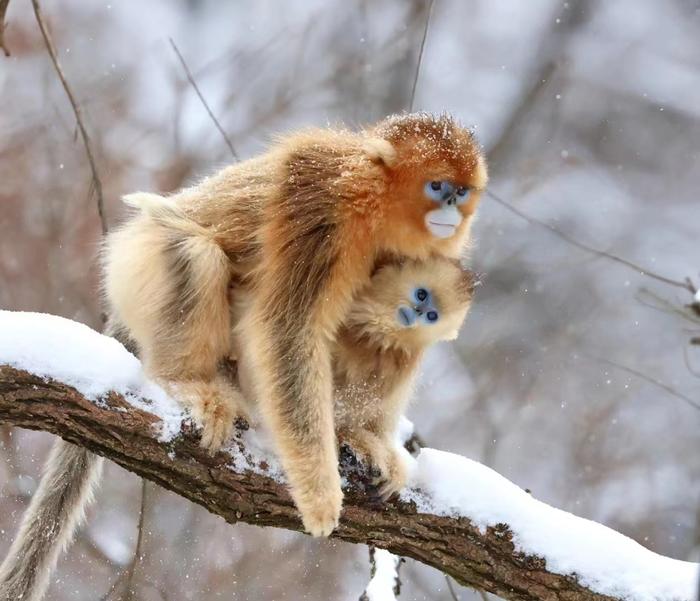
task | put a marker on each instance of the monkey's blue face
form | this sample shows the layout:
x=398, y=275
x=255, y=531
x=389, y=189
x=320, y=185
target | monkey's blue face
x=443, y=221
x=421, y=309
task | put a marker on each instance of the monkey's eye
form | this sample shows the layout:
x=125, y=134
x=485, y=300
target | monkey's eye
x=462, y=193
x=431, y=316
x=421, y=295
x=435, y=190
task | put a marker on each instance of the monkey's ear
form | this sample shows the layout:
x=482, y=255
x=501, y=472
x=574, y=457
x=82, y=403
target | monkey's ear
x=381, y=151
x=481, y=173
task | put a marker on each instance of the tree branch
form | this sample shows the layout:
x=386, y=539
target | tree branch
x=190, y=78
x=117, y=430
x=419, y=62
x=686, y=284
x=96, y=181
x=3, y=9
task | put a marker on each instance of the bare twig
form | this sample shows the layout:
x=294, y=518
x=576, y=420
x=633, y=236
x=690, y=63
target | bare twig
x=686, y=358
x=131, y=570
x=76, y=111
x=451, y=588
x=127, y=576
x=190, y=78
x=112, y=588
x=686, y=285
x=3, y=9
x=663, y=305
x=531, y=97
x=420, y=54
x=658, y=383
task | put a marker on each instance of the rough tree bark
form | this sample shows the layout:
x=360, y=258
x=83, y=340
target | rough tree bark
x=125, y=434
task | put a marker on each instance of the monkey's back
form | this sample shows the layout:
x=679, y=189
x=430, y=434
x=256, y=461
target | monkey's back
x=231, y=203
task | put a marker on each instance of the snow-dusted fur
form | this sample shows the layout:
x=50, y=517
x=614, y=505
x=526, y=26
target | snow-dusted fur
x=301, y=227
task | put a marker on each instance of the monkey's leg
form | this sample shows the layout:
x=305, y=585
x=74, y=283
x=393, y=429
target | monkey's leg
x=56, y=510
x=167, y=283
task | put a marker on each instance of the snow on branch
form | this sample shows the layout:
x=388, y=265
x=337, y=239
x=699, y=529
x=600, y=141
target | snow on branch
x=457, y=516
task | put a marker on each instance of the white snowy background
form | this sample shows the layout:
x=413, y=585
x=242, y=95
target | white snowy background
x=590, y=113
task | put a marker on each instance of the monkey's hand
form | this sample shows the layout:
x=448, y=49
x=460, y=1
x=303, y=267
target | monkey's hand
x=216, y=407
x=381, y=457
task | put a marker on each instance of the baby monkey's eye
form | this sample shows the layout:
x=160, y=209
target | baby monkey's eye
x=462, y=191
x=421, y=294
x=431, y=315
x=436, y=185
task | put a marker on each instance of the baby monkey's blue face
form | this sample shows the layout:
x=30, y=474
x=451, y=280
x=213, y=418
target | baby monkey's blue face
x=421, y=310
x=413, y=304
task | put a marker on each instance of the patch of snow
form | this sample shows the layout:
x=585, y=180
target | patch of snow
x=58, y=348
x=604, y=560
x=381, y=586
x=257, y=454
x=404, y=430
x=118, y=551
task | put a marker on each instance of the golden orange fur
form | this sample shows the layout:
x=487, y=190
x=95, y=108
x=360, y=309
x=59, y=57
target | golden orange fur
x=302, y=227
x=375, y=357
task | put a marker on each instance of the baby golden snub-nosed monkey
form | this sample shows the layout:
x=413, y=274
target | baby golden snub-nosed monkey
x=407, y=306
x=377, y=353
x=301, y=227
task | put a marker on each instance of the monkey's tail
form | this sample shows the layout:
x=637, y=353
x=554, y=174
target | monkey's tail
x=196, y=246
x=165, y=212
x=56, y=510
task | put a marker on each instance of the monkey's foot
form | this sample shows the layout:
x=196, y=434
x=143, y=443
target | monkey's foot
x=216, y=407
x=320, y=503
x=393, y=474
x=382, y=459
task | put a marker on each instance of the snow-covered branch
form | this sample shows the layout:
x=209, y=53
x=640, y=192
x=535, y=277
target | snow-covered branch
x=458, y=516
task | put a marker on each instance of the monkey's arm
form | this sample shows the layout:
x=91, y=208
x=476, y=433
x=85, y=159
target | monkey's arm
x=293, y=380
x=372, y=434
x=312, y=262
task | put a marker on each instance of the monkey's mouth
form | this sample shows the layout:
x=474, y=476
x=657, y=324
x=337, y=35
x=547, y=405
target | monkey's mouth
x=405, y=317
x=441, y=230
